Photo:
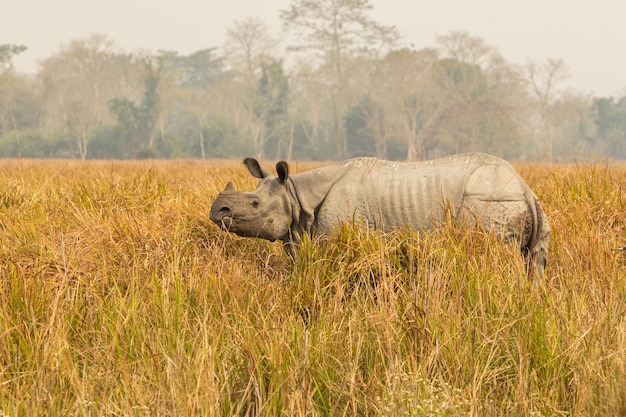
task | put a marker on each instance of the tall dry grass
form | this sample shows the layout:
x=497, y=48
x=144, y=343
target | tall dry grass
x=119, y=298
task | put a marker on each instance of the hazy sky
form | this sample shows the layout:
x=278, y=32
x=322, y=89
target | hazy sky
x=590, y=36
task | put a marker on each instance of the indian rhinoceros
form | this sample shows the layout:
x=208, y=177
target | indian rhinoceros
x=387, y=195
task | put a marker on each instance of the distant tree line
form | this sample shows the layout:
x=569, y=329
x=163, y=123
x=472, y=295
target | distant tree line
x=343, y=87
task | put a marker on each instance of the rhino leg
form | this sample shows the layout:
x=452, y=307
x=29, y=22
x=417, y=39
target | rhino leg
x=509, y=220
x=291, y=242
x=515, y=221
x=291, y=248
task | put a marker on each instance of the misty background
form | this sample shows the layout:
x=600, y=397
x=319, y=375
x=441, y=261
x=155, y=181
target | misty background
x=336, y=81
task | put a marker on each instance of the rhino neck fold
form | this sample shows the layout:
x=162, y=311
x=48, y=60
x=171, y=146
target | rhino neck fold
x=308, y=191
x=296, y=206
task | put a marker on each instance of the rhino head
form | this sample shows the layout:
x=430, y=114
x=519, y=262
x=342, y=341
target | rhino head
x=265, y=213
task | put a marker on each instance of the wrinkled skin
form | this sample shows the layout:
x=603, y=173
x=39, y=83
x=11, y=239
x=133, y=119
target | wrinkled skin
x=384, y=195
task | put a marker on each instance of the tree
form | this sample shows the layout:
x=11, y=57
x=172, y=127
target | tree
x=185, y=92
x=259, y=84
x=364, y=123
x=575, y=134
x=74, y=93
x=169, y=95
x=202, y=73
x=405, y=84
x=481, y=92
x=137, y=122
x=306, y=110
x=543, y=81
x=11, y=92
x=609, y=116
x=248, y=43
x=7, y=52
x=334, y=30
x=269, y=107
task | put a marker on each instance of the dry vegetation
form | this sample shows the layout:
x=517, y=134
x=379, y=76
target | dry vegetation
x=119, y=298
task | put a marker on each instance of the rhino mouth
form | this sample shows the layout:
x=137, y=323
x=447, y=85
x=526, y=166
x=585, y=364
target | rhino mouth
x=224, y=222
x=223, y=216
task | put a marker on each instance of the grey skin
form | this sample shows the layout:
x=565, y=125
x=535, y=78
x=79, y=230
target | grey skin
x=387, y=195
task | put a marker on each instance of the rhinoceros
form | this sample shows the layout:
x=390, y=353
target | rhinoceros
x=386, y=195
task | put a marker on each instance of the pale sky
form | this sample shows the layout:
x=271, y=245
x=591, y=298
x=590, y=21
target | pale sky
x=589, y=36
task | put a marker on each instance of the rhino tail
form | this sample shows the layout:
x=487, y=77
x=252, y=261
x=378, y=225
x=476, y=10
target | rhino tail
x=536, y=250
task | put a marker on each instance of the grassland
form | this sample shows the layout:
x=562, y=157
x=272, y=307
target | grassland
x=119, y=298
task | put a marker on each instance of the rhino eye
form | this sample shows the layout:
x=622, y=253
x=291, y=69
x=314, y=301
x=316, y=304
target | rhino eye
x=255, y=203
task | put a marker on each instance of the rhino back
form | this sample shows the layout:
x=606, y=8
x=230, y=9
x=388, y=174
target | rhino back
x=389, y=195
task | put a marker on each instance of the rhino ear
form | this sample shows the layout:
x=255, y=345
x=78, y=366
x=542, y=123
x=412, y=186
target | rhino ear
x=282, y=169
x=255, y=169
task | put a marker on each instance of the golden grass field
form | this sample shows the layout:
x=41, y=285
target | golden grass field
x=119, y=298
